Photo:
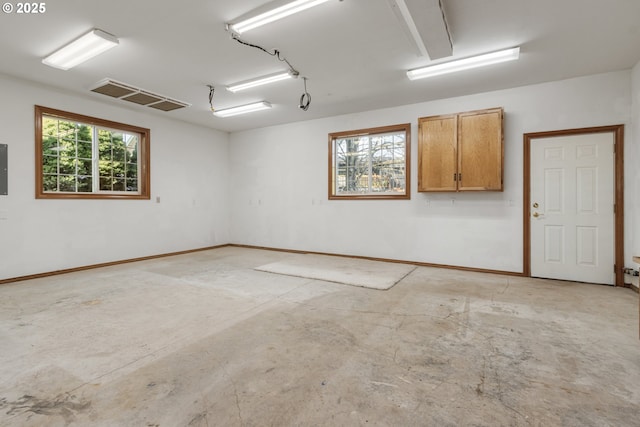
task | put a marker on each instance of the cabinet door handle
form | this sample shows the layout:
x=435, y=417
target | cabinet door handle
x=455, y=176
x=460, y=177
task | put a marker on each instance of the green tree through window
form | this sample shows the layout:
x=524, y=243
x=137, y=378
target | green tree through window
x=118, y=161
x=84, y=157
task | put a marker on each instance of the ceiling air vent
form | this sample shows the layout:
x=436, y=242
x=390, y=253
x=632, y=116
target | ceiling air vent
x=136, y=95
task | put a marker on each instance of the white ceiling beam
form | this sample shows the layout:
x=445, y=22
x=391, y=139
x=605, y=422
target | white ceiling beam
x=425, y=23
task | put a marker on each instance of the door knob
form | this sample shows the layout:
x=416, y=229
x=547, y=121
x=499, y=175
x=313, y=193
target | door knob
x=536, y=214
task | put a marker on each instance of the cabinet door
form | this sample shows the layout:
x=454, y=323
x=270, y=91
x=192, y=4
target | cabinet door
x=437, y=148
x=480, y=150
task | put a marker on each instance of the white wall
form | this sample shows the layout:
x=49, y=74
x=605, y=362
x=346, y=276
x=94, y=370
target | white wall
x=189, y=172
x=268, y=187
x=279, y=181
x=632, y=162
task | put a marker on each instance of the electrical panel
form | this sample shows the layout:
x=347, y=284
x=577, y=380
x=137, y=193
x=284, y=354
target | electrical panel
x=4, y=174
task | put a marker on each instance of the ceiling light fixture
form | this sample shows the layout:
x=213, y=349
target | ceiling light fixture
x=465, y=64
x=259, y=81
x=81, y=49
x=242, y=109
x=276, y=11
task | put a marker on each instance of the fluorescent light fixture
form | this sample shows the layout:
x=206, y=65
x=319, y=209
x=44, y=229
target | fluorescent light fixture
x=273, y=14
x=248, y=84
x=243, y=109
x=83, y=48
x=465, y=64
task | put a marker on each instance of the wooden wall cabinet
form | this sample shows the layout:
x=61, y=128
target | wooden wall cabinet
x=461, y=152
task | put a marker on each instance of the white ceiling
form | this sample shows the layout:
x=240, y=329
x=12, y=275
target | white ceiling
x=354, y=52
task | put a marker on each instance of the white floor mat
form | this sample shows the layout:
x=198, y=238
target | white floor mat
x=349, y=271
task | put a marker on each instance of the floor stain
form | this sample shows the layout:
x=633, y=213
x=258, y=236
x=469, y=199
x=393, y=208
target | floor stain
x=65, y=405
x=199, y=420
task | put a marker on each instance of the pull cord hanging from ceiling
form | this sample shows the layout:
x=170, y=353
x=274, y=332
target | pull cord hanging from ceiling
x=212, y=91
x=305, y=99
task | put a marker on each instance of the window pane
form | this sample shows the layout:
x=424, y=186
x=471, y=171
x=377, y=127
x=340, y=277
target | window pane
x=105, y=167
x=63, y=142
x=106, y=183
x=119, y=184
x=50, y=164
x=84, y=133
x=353, y=165
x=118, y=169
x=50, y=144
x=85, y=150
x=131, y=144
x=118, y=156
x=50, y=183
x=85, y=167
x=67, y=183
x=67, y=165
x=389, y=164
x=65, y=128
x=49, y=126
x=104, y=138
x=132, y=171
x=132, y=184
x=84, y=184
x=67, y=147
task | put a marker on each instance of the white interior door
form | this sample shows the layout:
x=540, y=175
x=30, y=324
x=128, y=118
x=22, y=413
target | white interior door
x=572, y=208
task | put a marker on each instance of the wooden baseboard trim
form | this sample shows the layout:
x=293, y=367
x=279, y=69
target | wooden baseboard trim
x=104, y=264
x=266, y=248
x=397, y=261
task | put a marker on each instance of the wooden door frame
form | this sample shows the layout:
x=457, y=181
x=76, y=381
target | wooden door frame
x=618, y=132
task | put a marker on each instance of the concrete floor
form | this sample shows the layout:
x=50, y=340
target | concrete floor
x=204, y=340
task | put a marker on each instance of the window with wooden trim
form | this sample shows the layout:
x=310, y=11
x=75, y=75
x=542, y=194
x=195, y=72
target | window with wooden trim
x=370, y=163
x=81, y=157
